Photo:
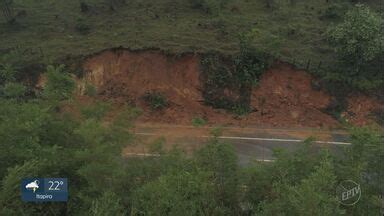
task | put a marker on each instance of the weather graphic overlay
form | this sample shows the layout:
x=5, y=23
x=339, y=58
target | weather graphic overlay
x=44, y=190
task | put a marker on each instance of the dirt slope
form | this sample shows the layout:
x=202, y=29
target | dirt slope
x=126, y=74
x=283, y=98
x=361, y=109
x=285, y=95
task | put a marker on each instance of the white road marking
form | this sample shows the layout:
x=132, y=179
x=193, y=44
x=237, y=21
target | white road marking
x=158, y=155
x=245, y=128
x=260, y=139
x=264, y=160
x=142, y=154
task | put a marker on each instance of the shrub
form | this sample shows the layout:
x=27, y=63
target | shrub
x=240, y=109
x=95, y=111
x=358, y=43
x=229, y=80
x=333, y=12
x=7, y=8
x=198, y=122
x=209, y=6
x=90, y=90
x=82, y=27
x=249, y=63
x=357, y=40
x=7, y=73
x=14, y=90
x=59, y=84
x=157, y=146
x=115, y=4
x=155, y=100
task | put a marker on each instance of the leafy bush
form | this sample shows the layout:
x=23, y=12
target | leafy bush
x=108, y=204
x=95, y=111
x=59, y=84
x=14, y=90
x=209, y=6
x=229, y=80
x=218, y=73
x=7, y=8
x=240, y=109
x=249, y=63
x=334, y=11
x=90, y=90
x=114, y=4
x=198, y=122
x=357, y=40
x=82, y=27
x=155, y=100
x=7, y=73
x=157, y=146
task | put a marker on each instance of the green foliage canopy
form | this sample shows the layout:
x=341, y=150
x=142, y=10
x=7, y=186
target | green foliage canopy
x=358, y=39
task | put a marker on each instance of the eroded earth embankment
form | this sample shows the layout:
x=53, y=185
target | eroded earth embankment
x=284, y=96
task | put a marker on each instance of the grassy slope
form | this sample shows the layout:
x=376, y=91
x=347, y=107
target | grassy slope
x=178, y=28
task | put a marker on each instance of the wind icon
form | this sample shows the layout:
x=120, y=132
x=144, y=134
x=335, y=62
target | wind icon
x=33, y=186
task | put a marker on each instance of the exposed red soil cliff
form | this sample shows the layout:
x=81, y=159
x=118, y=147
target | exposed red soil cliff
x=284, y=96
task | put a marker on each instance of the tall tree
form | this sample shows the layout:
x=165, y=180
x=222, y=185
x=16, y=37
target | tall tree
x=358, y=39
x=7, y=9
x=183, y=193
x=311, y=196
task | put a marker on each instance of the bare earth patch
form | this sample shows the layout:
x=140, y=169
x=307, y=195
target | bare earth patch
x=361, y=109
x=284, y=96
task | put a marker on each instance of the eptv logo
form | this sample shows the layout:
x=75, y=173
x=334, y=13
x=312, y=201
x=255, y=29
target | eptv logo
x=348, y=192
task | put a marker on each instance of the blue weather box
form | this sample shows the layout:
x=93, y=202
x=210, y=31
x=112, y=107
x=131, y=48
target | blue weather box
x=44, y=189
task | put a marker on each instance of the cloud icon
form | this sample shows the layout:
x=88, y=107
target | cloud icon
x=33, y=185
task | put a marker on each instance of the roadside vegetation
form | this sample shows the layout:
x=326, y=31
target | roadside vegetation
x=339, y=42
x=155, y=100
x=40, y=141
x=198, y=122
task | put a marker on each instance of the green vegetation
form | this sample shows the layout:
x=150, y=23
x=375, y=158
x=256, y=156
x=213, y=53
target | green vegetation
x=240, y=109
x=238, y=74
x=155, y=100
x=358, y=41
x=7, y=73
x=94, y=111
x=14, y=90
x=213, y=7
x=357, y=38
x=6, y=7
x=59, y=84
x=292, y=31
x=198, y=122
x=90, y=90
x=249, y=64
x=37, y=141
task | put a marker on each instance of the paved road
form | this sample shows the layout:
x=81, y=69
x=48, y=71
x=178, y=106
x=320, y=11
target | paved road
x=250, y=143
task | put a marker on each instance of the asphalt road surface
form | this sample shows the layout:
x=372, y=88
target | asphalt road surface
x=250, y=143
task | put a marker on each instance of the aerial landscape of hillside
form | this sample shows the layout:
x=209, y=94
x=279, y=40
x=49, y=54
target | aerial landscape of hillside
x=192, y=107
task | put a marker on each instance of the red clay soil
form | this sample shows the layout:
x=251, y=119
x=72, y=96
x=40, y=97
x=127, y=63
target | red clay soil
x=283, y=98
x=361, y=108
x=127, y=76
